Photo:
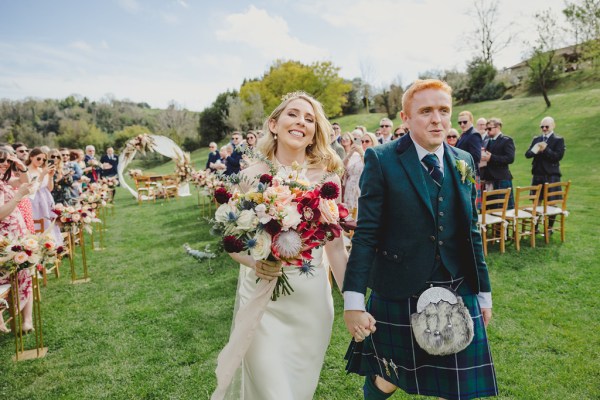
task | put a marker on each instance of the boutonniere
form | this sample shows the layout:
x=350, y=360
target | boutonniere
x=465, y=171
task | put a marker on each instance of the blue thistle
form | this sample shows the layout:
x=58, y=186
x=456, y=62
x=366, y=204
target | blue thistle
x=251, y=243
x=306, y=268
x=231, y=217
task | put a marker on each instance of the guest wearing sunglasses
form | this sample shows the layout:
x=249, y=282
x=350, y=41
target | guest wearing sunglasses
x=21, y=151
x=42, y=201
x=452, y=137
x=386, y=126
x=547, y=150
x=13, y=223
x=368, y=140
x=471, y=142
x=63, y=178
x=353, y=168
x=499, y=154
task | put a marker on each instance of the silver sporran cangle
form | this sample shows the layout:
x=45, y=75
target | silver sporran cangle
x=442, y=324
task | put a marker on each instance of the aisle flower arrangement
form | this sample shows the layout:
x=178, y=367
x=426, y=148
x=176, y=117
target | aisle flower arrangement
x=183, y=168
x=282, y=219
x=74, y=218
x=19, y=253
x=142, y=143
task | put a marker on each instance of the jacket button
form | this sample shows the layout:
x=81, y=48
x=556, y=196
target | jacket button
x=440, y=198
x=385, y=253
x=441, y=242
x=395, y=256
x=441, y=228
x=441, y=213
x=432, y=238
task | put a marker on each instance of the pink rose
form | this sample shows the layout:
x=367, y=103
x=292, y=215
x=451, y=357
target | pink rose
x=281, y=194
x=21, y=257
x=329, y=211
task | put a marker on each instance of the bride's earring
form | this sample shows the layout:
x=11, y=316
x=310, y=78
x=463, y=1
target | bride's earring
x=274, y=136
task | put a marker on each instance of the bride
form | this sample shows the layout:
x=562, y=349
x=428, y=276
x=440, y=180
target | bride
x=286, y=352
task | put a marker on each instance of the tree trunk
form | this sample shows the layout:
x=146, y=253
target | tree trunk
x=546, y=99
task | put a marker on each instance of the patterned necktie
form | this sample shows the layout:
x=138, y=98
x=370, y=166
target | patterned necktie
x=433, y=167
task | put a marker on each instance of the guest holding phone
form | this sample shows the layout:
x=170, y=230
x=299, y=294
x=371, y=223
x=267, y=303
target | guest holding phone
x=354, y=164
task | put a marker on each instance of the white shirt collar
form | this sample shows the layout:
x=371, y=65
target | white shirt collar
x=548, y=135
x=421, y=152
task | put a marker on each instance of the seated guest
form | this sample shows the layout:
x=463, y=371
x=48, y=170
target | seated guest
x=213, y=156
x=92, y=166
x=221, y=164
x=110, y=162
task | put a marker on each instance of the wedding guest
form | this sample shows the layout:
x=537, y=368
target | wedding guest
x=234, y=158
x=251, y=140
x=432, y=239
x=213, y=156
x=220, y=165
x=353, y=166
x=386, y=126
x=481, y=128
x=471, y=142
x=339, y=150
x=347, y=141
x=42, y=202
x=75, y=162
x=110, y=163
x=63, y=179
x=12, y=223
x=288, y=347
x=21, y=151
x=452, y=137
x=20, y=175
x=368, y=140
x=248, y=147
x=92, y=166
x=547, y=150
x=399, y=132
x=499, y=154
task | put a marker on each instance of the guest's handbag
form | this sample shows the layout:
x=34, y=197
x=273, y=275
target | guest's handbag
x=442, y=324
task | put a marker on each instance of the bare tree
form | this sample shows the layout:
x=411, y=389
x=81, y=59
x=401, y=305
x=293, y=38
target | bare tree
x=176, y=122
x=366, y=72
x=488, y=38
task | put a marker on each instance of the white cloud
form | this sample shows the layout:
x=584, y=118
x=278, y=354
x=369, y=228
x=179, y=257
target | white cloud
x=129, y=5
x=183, y=3
x=170, y=18
x=81, y=45
x=269, y=35
x=104, y=45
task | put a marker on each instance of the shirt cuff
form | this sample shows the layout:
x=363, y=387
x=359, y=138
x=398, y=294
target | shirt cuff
x=354, y=301
x=485, y=299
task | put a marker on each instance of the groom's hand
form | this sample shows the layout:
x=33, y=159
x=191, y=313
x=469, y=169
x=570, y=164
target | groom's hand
x=359, y=323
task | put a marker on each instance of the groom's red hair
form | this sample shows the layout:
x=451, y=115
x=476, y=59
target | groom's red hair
x=422, y=84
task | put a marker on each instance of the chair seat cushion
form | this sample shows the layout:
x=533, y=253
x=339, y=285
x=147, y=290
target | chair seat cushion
x=512, y=214
x=490, y=219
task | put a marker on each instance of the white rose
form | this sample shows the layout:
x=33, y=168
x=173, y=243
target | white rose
x=262, y=248
x=261, y=212
x=247, y=220
x=292, y=217
x=222, y=214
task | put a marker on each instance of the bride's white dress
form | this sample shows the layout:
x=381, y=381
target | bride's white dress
x=286, y=355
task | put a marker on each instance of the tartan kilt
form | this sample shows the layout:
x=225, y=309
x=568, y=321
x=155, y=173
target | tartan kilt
x=393, y=354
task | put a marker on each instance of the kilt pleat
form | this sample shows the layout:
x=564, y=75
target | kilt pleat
x=392, y=353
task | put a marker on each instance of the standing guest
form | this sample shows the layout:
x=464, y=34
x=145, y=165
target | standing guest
x=42, y=174
x=92, y=166
x=76, y=162
x=386, y=125
x=432, y=239
x=353, y=168
x=213, y=156
x=63, y=179
x=452, y=137
x=471, y=142
x=234, y=158
x=546, y=150
x=21, y=151
x=399, y=132
x=346, y=141
x=499, y=154
x=481, y=128
x=12, y=223
x=110, y=163
x=248, y=146
x=288, y=346
x=368, y=140
x=339, y=150
x=251, y=140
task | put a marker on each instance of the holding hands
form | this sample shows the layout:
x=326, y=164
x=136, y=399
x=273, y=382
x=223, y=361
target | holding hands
x=359, y=323
x=268, y=270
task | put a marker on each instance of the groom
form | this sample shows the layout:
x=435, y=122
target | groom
x=417, y=228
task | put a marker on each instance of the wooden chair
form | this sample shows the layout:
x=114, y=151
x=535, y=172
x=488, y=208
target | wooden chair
x=523, y=217
x=145, y=191
x=492, y=220
x=170, y=186
x=555, y=206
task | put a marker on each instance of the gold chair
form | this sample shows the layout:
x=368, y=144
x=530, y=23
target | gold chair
x=492, y=220
x=145, y=191
x=170, y=186
x=555, y=205
x=523, y=217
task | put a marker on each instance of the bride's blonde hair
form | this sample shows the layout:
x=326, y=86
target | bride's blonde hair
x=319, y=153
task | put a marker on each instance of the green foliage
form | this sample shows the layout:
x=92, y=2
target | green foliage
x=319, y=79
x=481, y=84
x=121, y=137
x=212, y=119
x=78, y=134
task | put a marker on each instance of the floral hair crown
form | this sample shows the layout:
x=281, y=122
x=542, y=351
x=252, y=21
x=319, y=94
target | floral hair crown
x=292, y=95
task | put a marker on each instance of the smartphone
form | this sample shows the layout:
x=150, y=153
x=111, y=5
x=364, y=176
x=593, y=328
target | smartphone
x=50, y=162
x=356, y=140
x=35, y=178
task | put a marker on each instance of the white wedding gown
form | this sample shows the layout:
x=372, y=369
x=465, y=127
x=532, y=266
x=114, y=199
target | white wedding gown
x=286, y=355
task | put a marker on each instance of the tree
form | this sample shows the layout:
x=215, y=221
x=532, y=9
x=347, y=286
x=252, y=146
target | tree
x=488, y=38
x=584, y=18
x=212, y=126
x=366, y=73
x=481, y=84
x=176, y=123
x=543, y=64
x=353, y=97
x=390, y=99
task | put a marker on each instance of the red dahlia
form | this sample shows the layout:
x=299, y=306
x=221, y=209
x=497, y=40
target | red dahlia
x=330, y=191
x=222, y=195
x=232, y=244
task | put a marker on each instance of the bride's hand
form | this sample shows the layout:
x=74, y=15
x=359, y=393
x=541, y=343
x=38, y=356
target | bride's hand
x=267, y=270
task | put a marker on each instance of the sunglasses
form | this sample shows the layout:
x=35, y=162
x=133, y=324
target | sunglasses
x=55, y=157
x=452, y=137
x=365, y=141
x=463, y=122
x=3, y=160
x=385, y=126
x=40, y=159
x=23, y=151
x=544, y=127
x=65, y=155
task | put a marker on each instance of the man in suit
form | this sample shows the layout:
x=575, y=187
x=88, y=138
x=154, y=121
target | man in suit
x=235, y=157
x=431, y=240
x=92, y=166
x=499, y=154
x=386, y=126
x=110, y=162
x=470, y=140
x=335, y=133
x=546, y=150
x=213, y=156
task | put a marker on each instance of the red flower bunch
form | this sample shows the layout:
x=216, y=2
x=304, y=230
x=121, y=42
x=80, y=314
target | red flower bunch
x=222, y=196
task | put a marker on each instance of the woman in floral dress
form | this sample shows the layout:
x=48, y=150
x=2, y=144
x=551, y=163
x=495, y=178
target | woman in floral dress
x=12, y=223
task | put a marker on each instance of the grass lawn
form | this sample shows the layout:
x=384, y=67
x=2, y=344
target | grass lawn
x=152, y=320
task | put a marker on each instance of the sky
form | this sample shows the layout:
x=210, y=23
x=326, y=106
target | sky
x=188, y=51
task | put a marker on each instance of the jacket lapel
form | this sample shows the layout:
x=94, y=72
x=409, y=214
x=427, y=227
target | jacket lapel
x=464, y=189
x=407, y=155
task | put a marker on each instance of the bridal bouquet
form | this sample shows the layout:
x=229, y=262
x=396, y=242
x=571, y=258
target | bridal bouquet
x=282, y=219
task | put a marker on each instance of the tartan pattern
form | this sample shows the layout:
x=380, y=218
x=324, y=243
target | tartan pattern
x=392, y=353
